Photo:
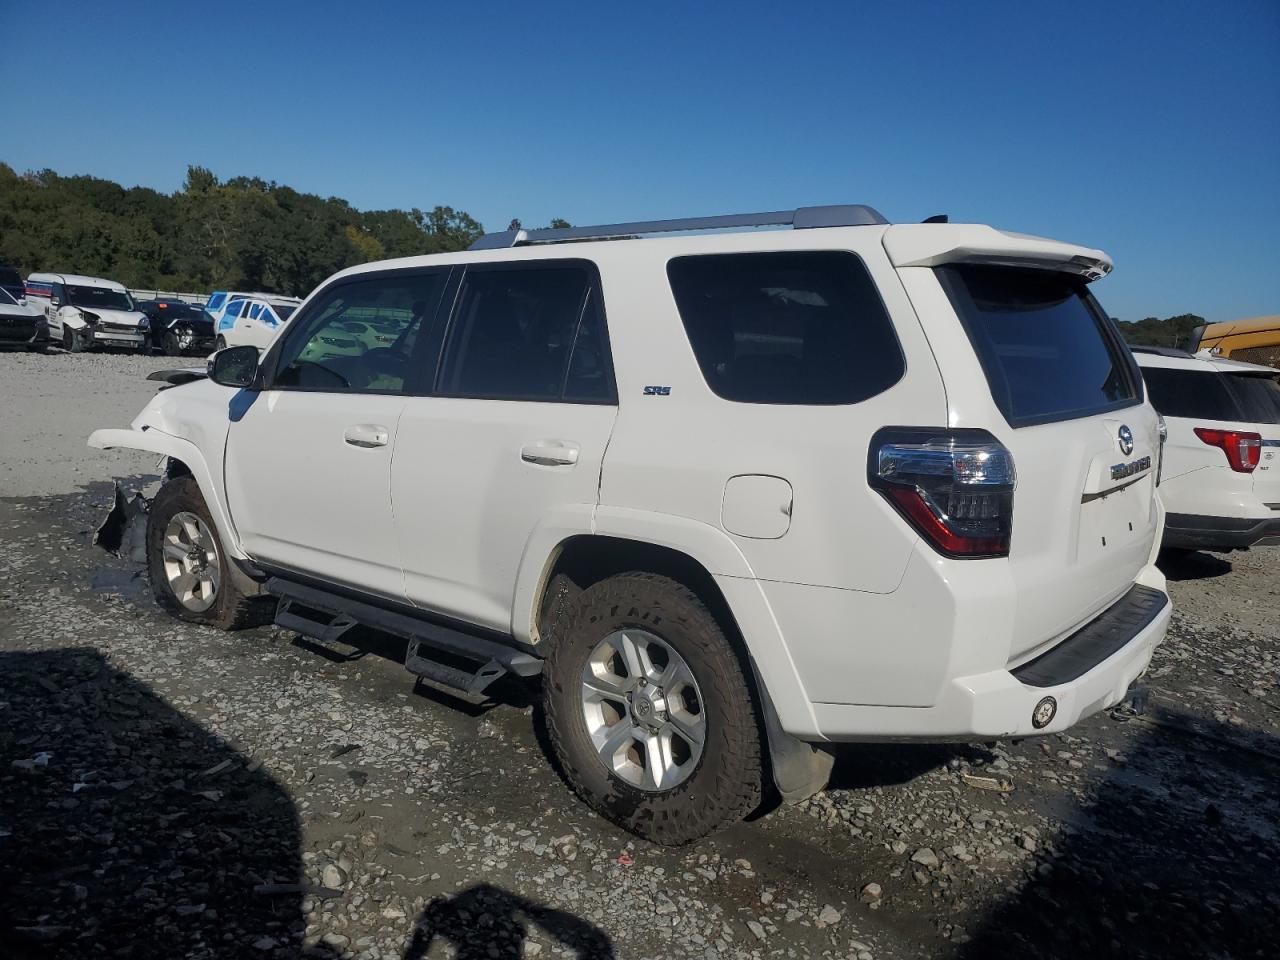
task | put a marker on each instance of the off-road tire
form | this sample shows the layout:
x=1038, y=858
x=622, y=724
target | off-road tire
x=726, y=784
x=232, y=608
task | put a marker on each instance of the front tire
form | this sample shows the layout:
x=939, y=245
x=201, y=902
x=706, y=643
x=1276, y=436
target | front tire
x=650, y=713
x=220, y=343
x=72, y=342
x=191, y=575
x=170, y=345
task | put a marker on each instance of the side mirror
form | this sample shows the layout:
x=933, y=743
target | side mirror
x=55, y=301
x=234, y=366
x=22, y=301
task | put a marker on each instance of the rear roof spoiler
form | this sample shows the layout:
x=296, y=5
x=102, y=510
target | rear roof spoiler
x=931, y=245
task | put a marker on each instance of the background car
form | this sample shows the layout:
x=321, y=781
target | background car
x=20, y=323
x=248, y=318
x=11, y=282
x=178, y=327
x=1220, y=472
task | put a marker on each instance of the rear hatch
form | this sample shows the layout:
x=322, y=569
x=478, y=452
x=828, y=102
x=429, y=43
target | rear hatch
x=1257, y=395
x=1084, y=442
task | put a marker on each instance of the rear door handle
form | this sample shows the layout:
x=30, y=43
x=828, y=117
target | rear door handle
x=367, y=435
x=550, y=453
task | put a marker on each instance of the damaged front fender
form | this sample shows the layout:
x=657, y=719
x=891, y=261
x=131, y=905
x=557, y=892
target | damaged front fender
x=151, y=440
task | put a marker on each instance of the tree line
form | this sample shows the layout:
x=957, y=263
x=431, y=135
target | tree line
x=242, y=233
x=1169, y=332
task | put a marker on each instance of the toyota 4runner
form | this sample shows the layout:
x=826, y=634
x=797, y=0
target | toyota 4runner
x=734, y=495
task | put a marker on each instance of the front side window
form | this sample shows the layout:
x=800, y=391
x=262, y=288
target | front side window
x=528, y=333
x=1048, y=351
x=360, y=336
x=103, y=298
x=787, y=328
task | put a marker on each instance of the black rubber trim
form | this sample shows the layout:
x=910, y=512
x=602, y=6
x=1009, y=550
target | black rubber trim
x=1194, y=532
x=1095, y=641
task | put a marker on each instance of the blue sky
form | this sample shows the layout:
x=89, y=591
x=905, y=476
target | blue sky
x=1150, y=129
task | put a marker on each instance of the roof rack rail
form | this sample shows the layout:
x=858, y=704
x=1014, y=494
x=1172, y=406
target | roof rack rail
x=802, y=218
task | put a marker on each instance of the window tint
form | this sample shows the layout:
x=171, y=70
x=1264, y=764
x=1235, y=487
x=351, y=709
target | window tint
x=515, y=336
x=360, y=336
x=1258, y=396
x=1047, y=350
x=1194, y=394
x=786, y=327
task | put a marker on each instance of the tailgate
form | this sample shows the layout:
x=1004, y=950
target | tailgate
x=1084, y=443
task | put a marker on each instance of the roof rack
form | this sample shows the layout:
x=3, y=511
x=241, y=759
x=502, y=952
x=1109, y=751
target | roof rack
x=1160, y=351
x=802, y=218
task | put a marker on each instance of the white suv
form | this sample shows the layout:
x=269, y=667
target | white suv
x=1220, y=477
x=733, y=495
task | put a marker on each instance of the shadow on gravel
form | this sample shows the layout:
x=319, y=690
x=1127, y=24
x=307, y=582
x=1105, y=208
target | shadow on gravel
x=1199, y=565
x=127, y=830
x=488, y=923
x=861, y=765
x=1176, y=857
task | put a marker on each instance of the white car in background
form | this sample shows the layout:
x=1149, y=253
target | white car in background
x=251, y=319
x=84, y=312
x=1220, y=476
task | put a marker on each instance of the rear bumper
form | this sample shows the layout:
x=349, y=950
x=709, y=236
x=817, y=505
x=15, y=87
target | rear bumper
x=1086, y=672
x=1189, y=531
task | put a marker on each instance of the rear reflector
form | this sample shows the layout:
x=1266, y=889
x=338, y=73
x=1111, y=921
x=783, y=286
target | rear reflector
x=955, y=487
x=1243, y=450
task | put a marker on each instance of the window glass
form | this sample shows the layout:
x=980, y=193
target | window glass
x=1047, y=351
x=805, y=327
x=513, y=335
x=360, y=336
x=255, y=311
x=103, y=298
x=1258, y=396
x=283, y=310
x=1194, y=394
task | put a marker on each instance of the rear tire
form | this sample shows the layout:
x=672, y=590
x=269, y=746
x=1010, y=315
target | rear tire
x=179, y=522
x=714, y=782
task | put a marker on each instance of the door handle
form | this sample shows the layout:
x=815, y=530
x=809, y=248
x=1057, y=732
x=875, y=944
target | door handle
x=367, y=435
x=550, y=453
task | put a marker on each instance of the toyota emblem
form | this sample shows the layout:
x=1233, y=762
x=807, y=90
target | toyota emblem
x=1126, y=440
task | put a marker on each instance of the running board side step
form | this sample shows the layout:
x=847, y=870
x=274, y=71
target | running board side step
x=452, y=658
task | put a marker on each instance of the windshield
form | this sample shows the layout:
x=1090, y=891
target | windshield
x=100, y=297
x=1047, y=348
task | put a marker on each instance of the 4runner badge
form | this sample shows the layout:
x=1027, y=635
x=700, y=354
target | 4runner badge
x=1122, y=470
x=657, y=391
x=1126, y=440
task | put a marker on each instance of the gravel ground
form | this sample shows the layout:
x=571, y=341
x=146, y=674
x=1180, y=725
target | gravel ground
x=171, y=791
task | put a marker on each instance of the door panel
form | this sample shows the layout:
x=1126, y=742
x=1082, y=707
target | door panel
x=302, y=495
x=466, y=499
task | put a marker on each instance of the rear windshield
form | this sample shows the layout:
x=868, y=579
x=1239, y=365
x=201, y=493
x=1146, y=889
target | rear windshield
x=1048, y=351
x=787, y=328
x=1208, y=395
x=1258, y=396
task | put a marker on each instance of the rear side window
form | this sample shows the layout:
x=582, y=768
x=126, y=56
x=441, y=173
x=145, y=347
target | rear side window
x=1193, y=394
x=529, y=333
x=787, y=328
x=1048, y=351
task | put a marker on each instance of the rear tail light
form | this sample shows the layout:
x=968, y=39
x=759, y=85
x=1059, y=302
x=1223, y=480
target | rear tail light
x=1243, y=450
x=954, y=486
